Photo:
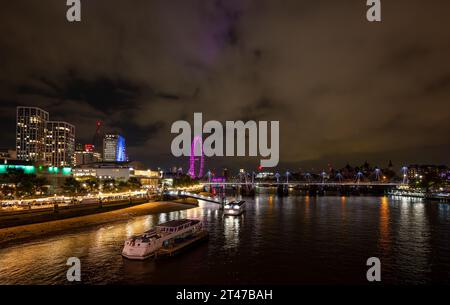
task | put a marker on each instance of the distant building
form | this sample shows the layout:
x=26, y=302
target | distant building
x=60, y=144
x=8, y=154
x=148, y=178
x=265, y=175
x=79, y=147
x=104, y=171
x=40, y=140
x=114, y=149
x=31, y=130
x=417, y=170
x=86, y=155
x=225, y=173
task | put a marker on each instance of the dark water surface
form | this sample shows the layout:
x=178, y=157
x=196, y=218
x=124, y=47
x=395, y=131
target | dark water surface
x=291, y=240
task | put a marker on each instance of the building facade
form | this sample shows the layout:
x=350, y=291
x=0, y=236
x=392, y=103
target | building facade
x=31, y=131
x=60, y=144
x=103, y=171
x=114, y=149
x=39, y=140
x=8, y=154
x=88, y=155
x=149, y=179
x=416, y=170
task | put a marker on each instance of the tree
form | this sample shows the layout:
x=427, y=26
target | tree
x=184, y=181
x=134, y=183
x=131, y=184
x=25, y=184
x=92, y=184
x=41, y=185
x=109, y=185
x=72, y=186
x=7, y=190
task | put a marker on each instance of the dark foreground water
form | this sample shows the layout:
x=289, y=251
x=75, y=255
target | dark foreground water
x=293, y=240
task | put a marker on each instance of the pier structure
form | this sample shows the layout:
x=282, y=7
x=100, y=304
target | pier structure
x=221, y=200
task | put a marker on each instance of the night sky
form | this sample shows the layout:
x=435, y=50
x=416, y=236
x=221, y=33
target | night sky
x=343, y=89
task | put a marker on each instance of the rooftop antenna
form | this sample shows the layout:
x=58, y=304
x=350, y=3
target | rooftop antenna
x=97, y=138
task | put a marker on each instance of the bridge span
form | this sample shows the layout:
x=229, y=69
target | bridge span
x=294, y=184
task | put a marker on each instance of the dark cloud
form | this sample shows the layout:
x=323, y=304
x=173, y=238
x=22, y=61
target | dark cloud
x=440, y=84
x=104, y=94
x=342, y=88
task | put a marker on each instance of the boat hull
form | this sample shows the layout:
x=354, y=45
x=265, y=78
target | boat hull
x=137, y=257
x=167, y=235
x=233, y=212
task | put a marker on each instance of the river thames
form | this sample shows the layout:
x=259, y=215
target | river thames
x=279, y=240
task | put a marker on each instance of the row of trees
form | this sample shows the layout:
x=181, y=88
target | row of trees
x=92, y=185
x=184, y=181
x=17, y=184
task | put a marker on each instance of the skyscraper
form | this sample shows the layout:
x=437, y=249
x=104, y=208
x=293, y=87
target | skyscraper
x=60, y=144
x=31, y=133
x=114, y=148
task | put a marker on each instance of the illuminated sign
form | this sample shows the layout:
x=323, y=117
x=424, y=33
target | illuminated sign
x=27, y=169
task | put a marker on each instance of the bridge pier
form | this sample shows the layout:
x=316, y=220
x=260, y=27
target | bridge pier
x=283, y=190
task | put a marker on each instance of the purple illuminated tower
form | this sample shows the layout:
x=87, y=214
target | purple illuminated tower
x=192, y=159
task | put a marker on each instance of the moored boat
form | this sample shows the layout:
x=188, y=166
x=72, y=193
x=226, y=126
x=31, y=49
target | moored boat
x=234, y=208
x=164, y=235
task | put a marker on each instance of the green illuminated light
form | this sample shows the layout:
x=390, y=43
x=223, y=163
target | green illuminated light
x=66, y=170
x=53, y=170
x=27, y=169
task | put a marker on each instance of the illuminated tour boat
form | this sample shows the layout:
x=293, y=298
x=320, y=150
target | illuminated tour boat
x=234, y=208
x=165, y=239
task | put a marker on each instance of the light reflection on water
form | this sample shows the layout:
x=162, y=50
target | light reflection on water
x=277, y=240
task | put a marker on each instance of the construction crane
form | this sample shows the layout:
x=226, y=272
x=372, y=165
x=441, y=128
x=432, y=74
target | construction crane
x=97, y=139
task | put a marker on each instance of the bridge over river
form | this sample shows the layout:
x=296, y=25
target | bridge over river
x=295, y=184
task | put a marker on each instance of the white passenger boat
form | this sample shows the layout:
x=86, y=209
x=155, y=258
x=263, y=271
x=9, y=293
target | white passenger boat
x=234, y=208
x=163, y=236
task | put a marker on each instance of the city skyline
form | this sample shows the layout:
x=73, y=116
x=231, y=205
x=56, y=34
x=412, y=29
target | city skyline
x=117, y=152
x=43, y=141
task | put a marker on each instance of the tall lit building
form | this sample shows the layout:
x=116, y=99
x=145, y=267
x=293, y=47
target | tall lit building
x=31, y=133
x=60, y=144
x=114, y=148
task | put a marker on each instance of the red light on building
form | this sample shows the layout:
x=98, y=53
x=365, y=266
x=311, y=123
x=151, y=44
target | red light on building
x=89, y=147
x=260, y=168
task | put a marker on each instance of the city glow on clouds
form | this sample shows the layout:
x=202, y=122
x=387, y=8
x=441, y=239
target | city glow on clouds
x=342, y=88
